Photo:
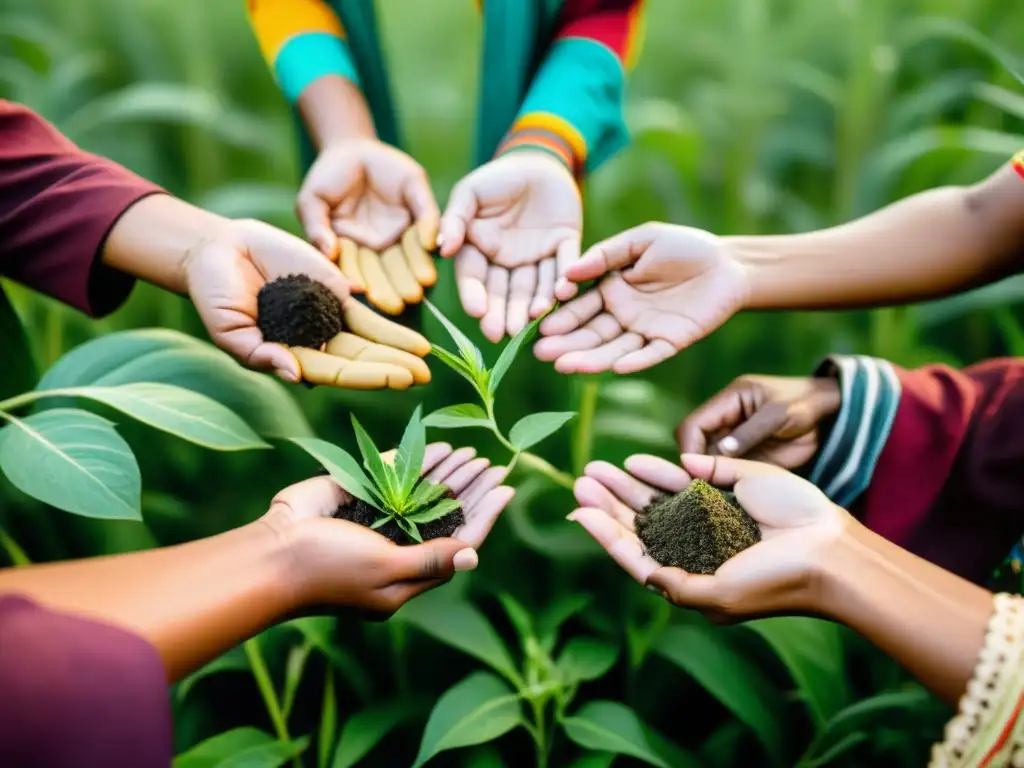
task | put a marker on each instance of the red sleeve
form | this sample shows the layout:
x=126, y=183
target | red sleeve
x=949, y=483
x=77, y=693
x=57, y=205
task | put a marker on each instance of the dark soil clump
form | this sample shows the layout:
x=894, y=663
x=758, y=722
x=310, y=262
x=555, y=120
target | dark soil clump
x=298, y=311
x=358, y=511
x=697, y=529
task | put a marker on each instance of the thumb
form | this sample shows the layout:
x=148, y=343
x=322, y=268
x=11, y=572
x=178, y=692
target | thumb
x=461, y=209
x=315, y=216
x=434, y=559
x=725, y=472
x=764, y=424
x=614, y=253
x=687, y=590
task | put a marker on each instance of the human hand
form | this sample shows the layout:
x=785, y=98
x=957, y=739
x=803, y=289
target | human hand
x=224, y=274
x=369, y=207
x=775, y=419
x=779, y=574
x=514, y=227
x=335, y=563
x=664, y=288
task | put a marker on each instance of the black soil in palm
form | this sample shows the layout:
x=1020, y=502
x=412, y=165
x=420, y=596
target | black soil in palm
x=697, y=529
x=298, y=311
x=358, y=511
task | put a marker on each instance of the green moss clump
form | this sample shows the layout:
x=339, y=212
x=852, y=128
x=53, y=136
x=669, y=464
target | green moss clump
x=298, y=311
x=697, y=529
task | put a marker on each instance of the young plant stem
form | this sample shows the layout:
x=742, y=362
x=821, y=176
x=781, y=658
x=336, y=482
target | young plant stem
x=266, y=686
x=539, y=731
x=531, y=460
x=583, y=434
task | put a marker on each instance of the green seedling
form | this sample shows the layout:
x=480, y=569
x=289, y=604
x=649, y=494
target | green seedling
x=469, y=364
x=389, y=493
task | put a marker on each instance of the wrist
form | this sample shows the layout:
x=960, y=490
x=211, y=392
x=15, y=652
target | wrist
x=283, y=541
x=335, y=112
x=755, y=263
x=837, y=571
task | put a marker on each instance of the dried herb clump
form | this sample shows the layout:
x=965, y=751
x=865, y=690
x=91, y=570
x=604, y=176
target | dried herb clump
x=298, y=311
x=358, y=511
x=697, y=529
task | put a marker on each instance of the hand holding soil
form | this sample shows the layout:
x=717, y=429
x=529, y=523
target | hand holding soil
x=797, y=526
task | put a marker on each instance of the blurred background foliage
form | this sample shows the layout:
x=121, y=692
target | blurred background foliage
x=748, y=116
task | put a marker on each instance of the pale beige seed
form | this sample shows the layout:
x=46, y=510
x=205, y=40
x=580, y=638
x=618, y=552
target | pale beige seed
x=421, y=262
x=396, y=267
x=378, y=288
x=355, y=348
x=332, y=371
x=363, y=321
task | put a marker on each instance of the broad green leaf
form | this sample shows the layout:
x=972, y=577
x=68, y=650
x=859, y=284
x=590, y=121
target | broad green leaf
x=837, y=750
x=411, y=452
x=508, y=355
x=177, y=411
x=734, y=679
x=436, y=512
x=241, y=748
x=460, y=624
x=530, y=430
x=478, y=709
x=585, y=658
x=468, y=349
x=234, y=660
x=365, y=729
x=812, y=650
x=456, y=416
x=456, y=363
x=73, y=460
x=558, y=611
x=607, y=726
x=328, y=720
x=16, y=352
x=342, y=466
x=372, y=460
x=518, y=615
x=169, y=357
x=294, y=669
x=427, y=493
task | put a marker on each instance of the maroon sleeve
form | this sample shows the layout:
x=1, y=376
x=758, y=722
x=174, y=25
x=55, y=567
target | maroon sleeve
x=57, y=205
x=77, y=693
x=949, y=483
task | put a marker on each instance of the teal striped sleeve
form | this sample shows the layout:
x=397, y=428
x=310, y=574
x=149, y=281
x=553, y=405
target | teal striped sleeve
x=310, y=56
x=870, y=396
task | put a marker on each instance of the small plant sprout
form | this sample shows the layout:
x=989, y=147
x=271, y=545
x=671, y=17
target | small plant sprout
x=392, y=498
x=469, y=363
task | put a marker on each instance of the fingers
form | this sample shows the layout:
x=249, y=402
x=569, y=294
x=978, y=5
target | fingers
x=544, y=296
x=568, y=253
x=379, y=290
x=590, y=493
x=687, y=590
x=421, y=203
x=462, y=207
x=363, y=321
x=354, y=348
x=315, y=497
x=624, y=547
x=763, y=425
x=315, y=216
x=493, y=323
x=612, y=254
x=522, y=288
x=601, y=359
x=471, y=279
x=449, y=464
x=658, y=473
x=396, y=267
x=565, y=320
x=657, y=351
x=434, y=455
x=485, y=482
x=724, y=471
x=633, y=492
x=434, y=559
x=722, y=411
x=349, y=263
x=322, y=368
x=420, y=261
x=273, y=357
x=460, y=479
x=482, y=516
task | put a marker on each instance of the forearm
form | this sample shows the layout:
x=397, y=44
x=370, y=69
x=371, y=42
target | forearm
x=192, y=602
x=926, y=246
x=334, y=110
x=930, y=621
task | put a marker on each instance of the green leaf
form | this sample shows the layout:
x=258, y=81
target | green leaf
x=294, y=668
x=478, y=709
x=595, y=760
x=607, y=726
x=460, y=624
x=558, y=611
x=234, y=660
x=73, y=460
x=180, y=412
x=436, y=512
x=530, y=430
x=508, y=355
x=457, y=416
x=427, y=493
x=342, y=466
x=411, y=452
x=585, y=659
x=468, y=349
x=365, y=729
x=241, y=748
x=170, y=357
x=373, y=461
x=837, y=750
x=813, y=652
x=16, y=352
x=381, y=522
x=319, y=630
x=410, y=528
x=731, y=677
x=457, y=364
x=328, y=720
x=518, y=615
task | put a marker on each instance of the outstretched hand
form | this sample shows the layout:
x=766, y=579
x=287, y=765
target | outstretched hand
x=514, y=227
x=777, y=575
x=662, y=288
x=336, y=563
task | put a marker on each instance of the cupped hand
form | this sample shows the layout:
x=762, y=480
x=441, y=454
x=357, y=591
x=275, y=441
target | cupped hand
x=339, y=564
x=514, y=227
x=663, y=288
x=369, y=207
x=775, y=419
x=224, y=274
x=778, y=575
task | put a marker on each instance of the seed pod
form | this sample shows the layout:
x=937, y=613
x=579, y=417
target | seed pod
x=298, y=311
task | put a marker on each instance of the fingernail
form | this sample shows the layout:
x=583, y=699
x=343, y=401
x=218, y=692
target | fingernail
x=288, y=376
x=440, y=240
x=654, y=589
x=728, y=445
x=465, y=560
x=571, y=517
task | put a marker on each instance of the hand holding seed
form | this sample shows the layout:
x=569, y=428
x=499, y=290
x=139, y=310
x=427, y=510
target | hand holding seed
x=797, y=525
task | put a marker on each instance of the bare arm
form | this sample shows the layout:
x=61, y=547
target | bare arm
x=926, y=246
x=334, y=111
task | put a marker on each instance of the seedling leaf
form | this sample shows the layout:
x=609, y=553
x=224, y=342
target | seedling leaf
x=435, y=512
x=380, y=522
x=508, y=354
x=426, y=493
x=457, y=416
x=469, y=351
x=410, y=528
x=372, y=461
x=411, y=452
x=342, y=466
x=456, y=363
x=530, y=430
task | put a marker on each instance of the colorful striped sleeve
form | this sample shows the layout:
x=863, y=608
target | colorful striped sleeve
x=301, y=40
x=574, y=107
